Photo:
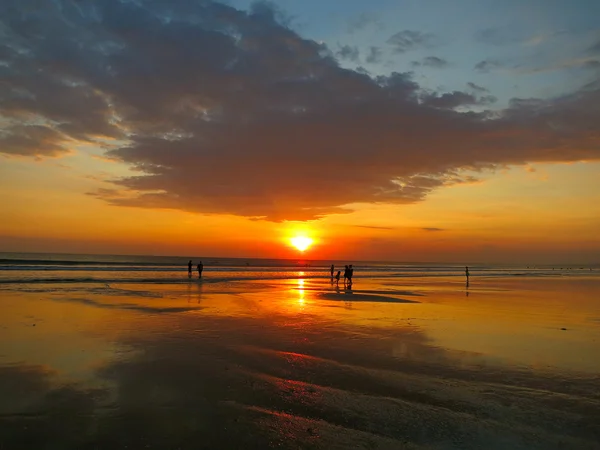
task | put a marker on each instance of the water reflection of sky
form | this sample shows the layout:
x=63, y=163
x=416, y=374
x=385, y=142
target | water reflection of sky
x=501, y=322
x=301, y=291
x=273, y=363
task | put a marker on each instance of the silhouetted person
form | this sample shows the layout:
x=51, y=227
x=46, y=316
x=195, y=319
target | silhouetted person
x=467, y=273
x=200, y=268
x=190, y=269
x=345, y=274
x=332, y=268
x=337, y=278
x=350, y=274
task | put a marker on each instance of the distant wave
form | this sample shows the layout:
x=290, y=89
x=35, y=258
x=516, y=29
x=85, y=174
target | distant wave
x=64, y=261
x=123, y=268
x=413, y=271
x=22, y=268
x=161, y=262
x=230, y=275
x=180, y=280
x=82, y=267
x=51, y=262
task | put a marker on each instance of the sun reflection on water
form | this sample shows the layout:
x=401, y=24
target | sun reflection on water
x=301, y=291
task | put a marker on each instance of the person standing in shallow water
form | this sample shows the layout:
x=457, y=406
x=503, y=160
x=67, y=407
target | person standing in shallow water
x=337, y=278
x=467, y=273
x=350, y=275
x=200, y=268
x=190, y=269
x=332, y=269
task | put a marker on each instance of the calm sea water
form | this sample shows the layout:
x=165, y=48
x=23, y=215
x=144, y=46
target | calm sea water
x=77, y=268
x=115, y=352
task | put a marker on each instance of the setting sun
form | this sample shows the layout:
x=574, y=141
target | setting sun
x=301, y=242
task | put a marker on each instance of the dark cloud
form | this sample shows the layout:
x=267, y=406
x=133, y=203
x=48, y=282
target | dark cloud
x=407, y=40
x=595, y=48
x=348, y=52
x=476, y=87
x=33, y=140
x=431, y=61
x=375, y=55
x=487, y=65
x=432, y=229
x=225, y=111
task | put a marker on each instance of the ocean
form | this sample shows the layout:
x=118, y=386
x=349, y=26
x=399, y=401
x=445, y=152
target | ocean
x=74, y=268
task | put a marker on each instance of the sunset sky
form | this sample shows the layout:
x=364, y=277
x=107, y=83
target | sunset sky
x=407, y=130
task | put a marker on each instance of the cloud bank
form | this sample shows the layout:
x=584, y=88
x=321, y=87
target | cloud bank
x=226, y=111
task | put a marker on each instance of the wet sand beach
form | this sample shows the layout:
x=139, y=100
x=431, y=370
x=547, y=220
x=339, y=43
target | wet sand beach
x=294, y=362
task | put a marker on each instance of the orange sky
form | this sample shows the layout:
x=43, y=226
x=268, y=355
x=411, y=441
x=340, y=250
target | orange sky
x=542, y=213
x=388, y=135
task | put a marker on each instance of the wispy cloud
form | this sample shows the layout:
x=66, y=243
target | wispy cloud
x=374, y=227
x=406, y=40
x=572, y=63
x=488, y=65
x=364, y=20
x=476, y=88
x=431, y=61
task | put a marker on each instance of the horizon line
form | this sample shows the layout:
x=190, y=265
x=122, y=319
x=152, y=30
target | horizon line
x=328, y=261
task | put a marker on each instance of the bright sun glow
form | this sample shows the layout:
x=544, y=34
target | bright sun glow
x=301, y=242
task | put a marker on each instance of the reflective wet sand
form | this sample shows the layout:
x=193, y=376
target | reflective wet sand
x=415, y=363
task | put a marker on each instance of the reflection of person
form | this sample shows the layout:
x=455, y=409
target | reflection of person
x=200, y=269
x=190, y=269
x=337, y=278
